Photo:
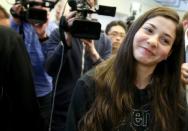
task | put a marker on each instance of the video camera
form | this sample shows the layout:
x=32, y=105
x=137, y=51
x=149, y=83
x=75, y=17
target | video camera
x=34, y=15
x=83, y=27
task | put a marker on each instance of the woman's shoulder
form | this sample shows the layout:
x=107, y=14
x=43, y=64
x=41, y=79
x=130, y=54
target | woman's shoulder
x=83, y=95
x=87, y=80
x=87, y=84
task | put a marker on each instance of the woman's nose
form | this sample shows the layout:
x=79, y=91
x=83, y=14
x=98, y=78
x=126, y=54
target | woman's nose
x=153, y=40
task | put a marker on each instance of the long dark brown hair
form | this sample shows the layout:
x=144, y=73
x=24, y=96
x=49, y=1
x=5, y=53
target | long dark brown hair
x=115, y=83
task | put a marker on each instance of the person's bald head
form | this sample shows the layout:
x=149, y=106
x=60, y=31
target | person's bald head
x=4, y=17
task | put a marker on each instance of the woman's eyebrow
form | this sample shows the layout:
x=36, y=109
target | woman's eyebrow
x=153, y=26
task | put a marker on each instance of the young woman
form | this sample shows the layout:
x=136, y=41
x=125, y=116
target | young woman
x=140, y=88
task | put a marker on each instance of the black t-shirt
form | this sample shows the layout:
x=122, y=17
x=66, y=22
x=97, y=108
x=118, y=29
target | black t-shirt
x=140, y=117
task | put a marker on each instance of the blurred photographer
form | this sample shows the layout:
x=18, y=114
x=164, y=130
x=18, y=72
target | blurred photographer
x=67, y=60
x=34, y=35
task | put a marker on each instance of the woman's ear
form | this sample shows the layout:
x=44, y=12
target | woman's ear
x=185, y=24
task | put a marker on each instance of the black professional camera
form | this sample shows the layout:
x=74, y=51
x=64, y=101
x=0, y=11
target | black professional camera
x=34, y=15
x=83, y=27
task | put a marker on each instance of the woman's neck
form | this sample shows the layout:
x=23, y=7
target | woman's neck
x=143, y=77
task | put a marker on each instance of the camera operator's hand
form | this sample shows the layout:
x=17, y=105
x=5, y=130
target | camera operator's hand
x=90, y=49
x=91, y=3
x=70, y=17
x=16, y=10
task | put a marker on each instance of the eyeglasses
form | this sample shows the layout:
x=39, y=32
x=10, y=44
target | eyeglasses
x=115, y=34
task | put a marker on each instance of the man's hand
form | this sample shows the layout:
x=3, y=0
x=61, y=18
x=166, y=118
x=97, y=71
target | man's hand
x=17, y=8
x=90, y=49
x=70, y=17
x=184, y=73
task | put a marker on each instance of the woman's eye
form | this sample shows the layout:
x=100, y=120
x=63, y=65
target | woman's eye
x=149, y=30
x=165, y=41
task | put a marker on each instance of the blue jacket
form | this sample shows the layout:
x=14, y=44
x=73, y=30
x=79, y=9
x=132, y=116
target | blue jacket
x=42, y=81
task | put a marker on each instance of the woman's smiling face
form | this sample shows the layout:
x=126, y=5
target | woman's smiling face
x=153, y=41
